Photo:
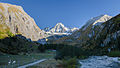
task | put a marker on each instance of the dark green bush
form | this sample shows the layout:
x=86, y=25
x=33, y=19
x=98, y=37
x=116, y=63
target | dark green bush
x=71, y=51
x=41, y=48
x=16, y=45
x=70, y=63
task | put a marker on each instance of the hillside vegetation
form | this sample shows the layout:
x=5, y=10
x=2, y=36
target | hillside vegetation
x=5, y=32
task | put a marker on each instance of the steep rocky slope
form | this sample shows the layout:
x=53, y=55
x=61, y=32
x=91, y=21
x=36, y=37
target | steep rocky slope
x=90, y=29
x=18, y=21
x=108, y=36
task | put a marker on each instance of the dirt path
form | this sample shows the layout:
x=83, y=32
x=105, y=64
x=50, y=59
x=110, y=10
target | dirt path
x=24, y=66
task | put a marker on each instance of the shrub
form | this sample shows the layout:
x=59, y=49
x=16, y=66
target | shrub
x=41, y=48
x=10, y=34
x=71, y=51
x=69, y=63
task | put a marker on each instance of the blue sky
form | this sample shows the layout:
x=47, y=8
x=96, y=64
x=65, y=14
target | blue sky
x=72, y=13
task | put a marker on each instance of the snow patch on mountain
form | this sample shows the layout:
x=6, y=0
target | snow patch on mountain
x=74, y=29
x=104, y=18
x=97, y=20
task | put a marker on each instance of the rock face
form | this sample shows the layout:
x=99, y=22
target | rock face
x=108, y=36
x=19, y=21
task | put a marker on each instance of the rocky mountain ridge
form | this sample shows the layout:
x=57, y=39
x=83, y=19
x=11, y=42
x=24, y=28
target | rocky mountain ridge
x=99, y=39
x=97, y=20
x=91, y=28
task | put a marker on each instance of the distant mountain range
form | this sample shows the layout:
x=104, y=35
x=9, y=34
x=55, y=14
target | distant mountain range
x=56, y=32
x=60, y=29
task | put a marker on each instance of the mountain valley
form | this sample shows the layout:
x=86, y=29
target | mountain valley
x=23, y=42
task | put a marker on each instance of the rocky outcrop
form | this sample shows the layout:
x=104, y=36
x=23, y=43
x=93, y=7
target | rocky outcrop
x=19, y=21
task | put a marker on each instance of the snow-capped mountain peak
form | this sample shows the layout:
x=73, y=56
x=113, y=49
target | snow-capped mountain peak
x=60, y=24
x=102, y=19
x=97, y=20
x=59, y=28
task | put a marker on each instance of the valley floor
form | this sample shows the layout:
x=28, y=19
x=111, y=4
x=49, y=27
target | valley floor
x=14, y=61
x=100, y=62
